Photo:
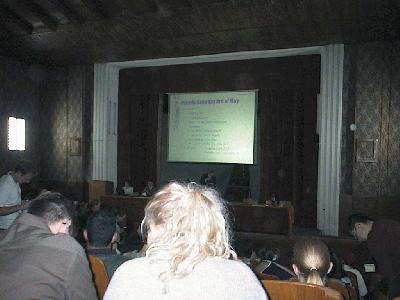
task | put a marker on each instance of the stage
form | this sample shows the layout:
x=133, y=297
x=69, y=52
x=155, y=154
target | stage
x=254, y=218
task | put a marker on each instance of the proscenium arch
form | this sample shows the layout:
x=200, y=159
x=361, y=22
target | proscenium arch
x=329, y=116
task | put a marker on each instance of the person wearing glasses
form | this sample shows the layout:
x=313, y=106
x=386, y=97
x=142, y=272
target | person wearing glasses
x=382, y=238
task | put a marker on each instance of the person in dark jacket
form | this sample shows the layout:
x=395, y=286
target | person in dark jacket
x=100, y=235
x=382, y=239
x=38, y=257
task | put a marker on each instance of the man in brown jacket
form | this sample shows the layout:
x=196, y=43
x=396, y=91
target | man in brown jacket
x=38, y=257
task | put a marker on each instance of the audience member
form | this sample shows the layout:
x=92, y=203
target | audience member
x=382, y=239
x=10, y=193
x=209, y=179
x=38, y=257
x=149, y=190
x=83, y=212
x=100, y=235
x=337, y=271
x=311, y=261
x=188, y=254
x=267, y=265
x=94, y=205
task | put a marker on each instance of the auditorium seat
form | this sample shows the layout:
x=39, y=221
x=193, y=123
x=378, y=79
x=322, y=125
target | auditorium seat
x=347, y=292
x=262, y=276
x=287, y=290
x=101, y=278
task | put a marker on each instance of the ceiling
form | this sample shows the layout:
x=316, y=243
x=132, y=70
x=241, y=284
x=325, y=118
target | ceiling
x=96, y=31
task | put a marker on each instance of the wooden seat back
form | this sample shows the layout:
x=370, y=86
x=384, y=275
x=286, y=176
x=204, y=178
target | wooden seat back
x=354, y=291
x=344, y=290
x=101, y=278
x=288, y=290
x=262, y=276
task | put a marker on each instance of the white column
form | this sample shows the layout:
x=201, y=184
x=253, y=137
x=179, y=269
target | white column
x=105, y=122
x=330, y=117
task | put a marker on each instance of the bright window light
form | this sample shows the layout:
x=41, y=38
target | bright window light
x=16, y=134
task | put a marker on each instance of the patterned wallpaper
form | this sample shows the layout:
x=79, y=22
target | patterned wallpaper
x=371, y=99
x=19, y=97
x=392, y=178
x=66, y=109
x=57, y=104
x=347, y=120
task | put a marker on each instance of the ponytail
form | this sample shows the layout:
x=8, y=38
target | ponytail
x=314, y=277
x=311, y=257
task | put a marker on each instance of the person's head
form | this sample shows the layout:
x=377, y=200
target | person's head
x=101, y=229
x=55, y=209
x=311, y=261
x=23, y=172
x=94, y=205
x=185, y=224
x=359, y=226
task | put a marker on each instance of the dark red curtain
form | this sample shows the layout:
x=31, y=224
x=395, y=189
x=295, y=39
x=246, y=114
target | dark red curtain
x=138, y=146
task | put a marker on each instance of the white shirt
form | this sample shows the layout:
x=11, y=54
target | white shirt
x=213, y=279
x=10, y=195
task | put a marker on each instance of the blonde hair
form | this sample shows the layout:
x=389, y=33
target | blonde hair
x=194, y=227
x=312, y=258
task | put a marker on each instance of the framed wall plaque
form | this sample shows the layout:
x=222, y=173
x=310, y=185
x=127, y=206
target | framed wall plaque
x=367, y=150
x=74, y=146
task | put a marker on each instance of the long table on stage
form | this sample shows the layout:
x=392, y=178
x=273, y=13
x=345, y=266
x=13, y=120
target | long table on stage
x=257, y=218
x=133, y=207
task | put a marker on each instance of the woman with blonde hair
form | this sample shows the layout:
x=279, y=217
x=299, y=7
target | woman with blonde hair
x=311, y=261
x=188, y=255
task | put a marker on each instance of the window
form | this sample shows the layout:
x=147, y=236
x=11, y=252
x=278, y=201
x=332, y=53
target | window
x=16, y=134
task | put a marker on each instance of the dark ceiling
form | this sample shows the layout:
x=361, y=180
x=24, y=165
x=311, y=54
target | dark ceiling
x=96, y=31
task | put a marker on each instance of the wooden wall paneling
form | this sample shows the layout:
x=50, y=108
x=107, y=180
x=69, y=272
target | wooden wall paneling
x=376, y=167
x=393, y=144
x=98, y=188
x=369, y=117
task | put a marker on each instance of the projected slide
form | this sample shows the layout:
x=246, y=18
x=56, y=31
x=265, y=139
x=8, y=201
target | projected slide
x=212, y=127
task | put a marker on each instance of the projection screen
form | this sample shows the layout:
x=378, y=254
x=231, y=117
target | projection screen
x=217, y=127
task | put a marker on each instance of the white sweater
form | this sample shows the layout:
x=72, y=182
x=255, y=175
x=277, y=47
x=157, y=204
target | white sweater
x=213, y=278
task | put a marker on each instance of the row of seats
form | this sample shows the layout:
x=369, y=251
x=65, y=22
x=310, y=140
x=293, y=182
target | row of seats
x=276, y=289
x=100, y=275
x=287, y=290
